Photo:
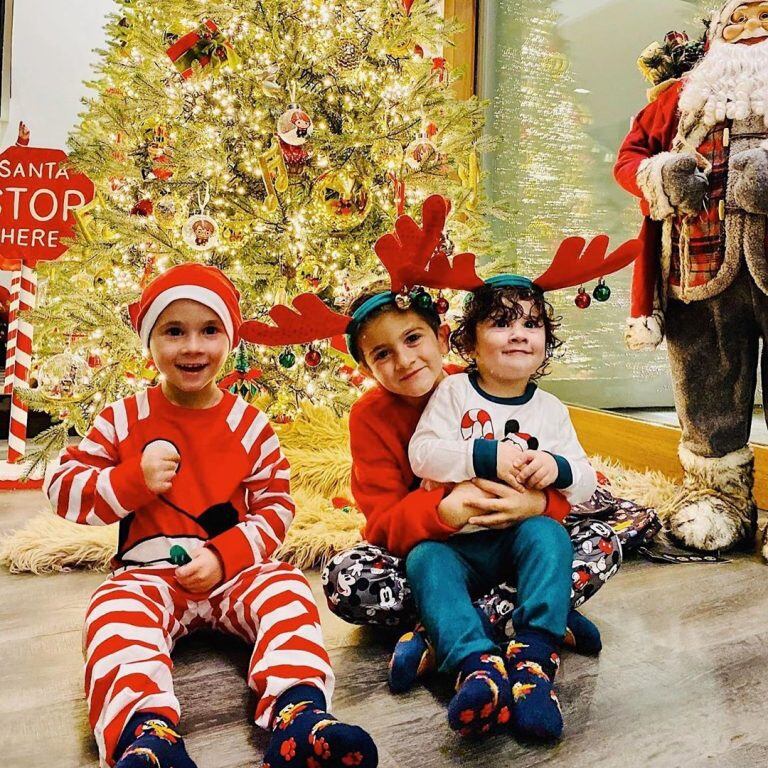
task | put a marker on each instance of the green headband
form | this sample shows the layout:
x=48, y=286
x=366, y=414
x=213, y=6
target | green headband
x=512, y=281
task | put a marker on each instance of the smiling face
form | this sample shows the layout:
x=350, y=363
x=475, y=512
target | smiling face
x=402, y=352
x=189, y=345
x=508, y=351
x=748, y=24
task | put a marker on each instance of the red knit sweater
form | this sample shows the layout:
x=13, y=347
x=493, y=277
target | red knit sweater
x=399, y=514
x=231, y=492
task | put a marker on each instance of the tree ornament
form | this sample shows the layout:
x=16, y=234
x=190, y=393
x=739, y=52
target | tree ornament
x=312, y=358
x=204, y=47
x=158, y=153
x=143, y=207
x=602, y=292
x=200, y=232
x=165, y=210
x=243, y=381
x=287, y=359
x=582, y=299
x=94, y=361
x=420, y=153
x=442, y=305
x=63, y=376
x=294, y=126
x=295, y=157
x=423, y=300
x=349, y=55
x=342, y=199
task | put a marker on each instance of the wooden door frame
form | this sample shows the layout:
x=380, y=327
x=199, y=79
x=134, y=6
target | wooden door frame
x=463, y=53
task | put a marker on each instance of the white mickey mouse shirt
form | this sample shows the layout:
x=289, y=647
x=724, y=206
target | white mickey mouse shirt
x=458, y=435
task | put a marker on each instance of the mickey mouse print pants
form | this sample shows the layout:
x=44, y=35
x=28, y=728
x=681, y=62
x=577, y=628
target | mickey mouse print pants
x=135, y=618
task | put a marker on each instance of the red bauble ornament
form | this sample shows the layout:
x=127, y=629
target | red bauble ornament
x=312, y=358
x=143, y=208
x=94, y=361
x=442, y=305
x=407, y=5
x=583, y=299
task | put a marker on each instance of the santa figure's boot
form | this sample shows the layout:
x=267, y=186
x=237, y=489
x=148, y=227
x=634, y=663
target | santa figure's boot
x=716, y=509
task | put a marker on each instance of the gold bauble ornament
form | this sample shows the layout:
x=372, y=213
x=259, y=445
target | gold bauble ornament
x=342, y=199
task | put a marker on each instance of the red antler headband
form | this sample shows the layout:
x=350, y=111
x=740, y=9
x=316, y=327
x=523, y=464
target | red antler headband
x=412, y=257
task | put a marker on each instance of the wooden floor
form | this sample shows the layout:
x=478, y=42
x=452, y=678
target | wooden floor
x=682, y=680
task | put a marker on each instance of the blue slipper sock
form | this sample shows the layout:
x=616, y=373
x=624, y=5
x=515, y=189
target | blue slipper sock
x=483, y=698
x=532, y=661
x=304, y=734
x=150, y=741
x=582, y=635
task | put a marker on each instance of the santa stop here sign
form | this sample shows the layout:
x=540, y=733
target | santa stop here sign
x=38, y=195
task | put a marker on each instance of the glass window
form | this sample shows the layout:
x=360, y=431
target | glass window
x=563, y=83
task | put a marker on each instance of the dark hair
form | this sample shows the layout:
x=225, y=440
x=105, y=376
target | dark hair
x=428, y=314
x=503, y=304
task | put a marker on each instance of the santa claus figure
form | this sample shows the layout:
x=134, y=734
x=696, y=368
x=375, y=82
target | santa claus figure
x=697, y=156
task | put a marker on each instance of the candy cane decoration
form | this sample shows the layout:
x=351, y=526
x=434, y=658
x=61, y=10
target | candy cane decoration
x=10, y=348
x=17, y=433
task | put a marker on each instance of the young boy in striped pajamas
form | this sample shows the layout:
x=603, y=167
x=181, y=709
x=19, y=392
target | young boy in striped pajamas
x=198, y=483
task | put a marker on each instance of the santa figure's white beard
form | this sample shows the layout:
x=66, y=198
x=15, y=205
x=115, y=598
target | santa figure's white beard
x=731, y=81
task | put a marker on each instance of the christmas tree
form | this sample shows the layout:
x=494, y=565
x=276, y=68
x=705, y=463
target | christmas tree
x=275, y=139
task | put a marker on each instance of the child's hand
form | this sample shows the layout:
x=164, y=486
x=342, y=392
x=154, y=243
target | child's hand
x=159, y=463
x=454, y=509
x=507, y=456
x=504, y=506
x=536, y=470
x=202, y=573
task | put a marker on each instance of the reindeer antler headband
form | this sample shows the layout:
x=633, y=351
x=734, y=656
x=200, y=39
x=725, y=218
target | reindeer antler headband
x=413, y=259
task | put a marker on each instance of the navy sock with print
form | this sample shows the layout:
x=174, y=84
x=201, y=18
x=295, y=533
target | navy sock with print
x=304, y=734
x=412, y=658
x=482, y=700
x=149, y=741
x=582, y=634
x=532, y=662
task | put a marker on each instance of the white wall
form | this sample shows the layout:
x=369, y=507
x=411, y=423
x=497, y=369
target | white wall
x=53, y=44
x=52, y=54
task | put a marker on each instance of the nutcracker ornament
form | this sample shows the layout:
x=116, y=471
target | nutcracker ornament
x=697, y=157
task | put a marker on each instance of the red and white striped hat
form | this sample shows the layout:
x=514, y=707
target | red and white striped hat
x=207, y=285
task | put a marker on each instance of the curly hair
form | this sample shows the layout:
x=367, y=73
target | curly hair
x=428, y=314
x=503, y=304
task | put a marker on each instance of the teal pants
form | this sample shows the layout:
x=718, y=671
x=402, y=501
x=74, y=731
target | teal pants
x=445, y=577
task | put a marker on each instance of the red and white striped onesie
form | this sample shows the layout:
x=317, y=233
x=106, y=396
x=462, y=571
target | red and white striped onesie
x=231, y=494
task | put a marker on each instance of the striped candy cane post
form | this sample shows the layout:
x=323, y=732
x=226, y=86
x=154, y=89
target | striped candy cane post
x=17, y=433
x=10, y=342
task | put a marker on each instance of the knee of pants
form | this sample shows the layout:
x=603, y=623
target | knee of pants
x=423, y=558
x=339, y=575
x=548, y=538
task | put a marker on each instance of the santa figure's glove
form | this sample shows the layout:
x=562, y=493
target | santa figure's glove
x=750, y=189
x=685, y=184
